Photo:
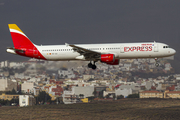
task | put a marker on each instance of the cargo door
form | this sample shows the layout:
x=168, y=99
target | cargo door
x=121, y=49
x=155, y=47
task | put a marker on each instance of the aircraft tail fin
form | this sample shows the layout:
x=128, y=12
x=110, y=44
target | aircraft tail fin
x=20, y=40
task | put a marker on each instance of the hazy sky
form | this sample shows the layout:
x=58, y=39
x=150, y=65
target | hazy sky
x=90, y=21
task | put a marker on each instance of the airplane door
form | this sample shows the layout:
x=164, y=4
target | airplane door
x=155, y=47
x=122, y=49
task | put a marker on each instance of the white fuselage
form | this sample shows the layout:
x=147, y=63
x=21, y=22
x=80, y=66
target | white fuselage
x=120, y=50
x=108, y=53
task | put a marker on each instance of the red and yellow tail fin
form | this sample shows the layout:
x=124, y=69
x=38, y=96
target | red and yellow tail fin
x=20, y=40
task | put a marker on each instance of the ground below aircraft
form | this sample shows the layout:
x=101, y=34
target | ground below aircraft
x=109, y=53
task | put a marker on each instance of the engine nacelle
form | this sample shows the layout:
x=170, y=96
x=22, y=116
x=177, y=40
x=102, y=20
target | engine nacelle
x=107, y=58
x=116, y=62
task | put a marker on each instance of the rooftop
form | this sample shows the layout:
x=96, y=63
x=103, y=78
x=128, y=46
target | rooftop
x=150, y=92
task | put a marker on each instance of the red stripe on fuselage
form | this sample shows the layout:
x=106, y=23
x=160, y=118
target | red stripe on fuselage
x=21, y=42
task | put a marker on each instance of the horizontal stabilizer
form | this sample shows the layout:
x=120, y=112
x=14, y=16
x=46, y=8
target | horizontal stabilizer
x=15, y=49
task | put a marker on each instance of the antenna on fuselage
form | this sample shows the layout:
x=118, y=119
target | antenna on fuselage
x=66, y=44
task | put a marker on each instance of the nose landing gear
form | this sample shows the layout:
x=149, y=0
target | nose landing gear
x=157, y=63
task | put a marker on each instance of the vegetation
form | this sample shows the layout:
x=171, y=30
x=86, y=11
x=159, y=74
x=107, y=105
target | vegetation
x=101, y=94
x=171, y=78
x=43, y=97
x=91, y=79
x=133, y=96
x=13, y=92
x=91, y=98
x=9, y=102
x=95, y=93
x=81, y=95
x=120, y=96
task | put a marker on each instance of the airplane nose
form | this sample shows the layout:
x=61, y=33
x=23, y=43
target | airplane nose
x=173, y=51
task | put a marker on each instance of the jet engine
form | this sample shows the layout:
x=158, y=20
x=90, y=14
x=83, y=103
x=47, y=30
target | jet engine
x=116, y=62
x=107, y=58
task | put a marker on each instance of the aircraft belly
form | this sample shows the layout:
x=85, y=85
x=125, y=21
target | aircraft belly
x=138, y=54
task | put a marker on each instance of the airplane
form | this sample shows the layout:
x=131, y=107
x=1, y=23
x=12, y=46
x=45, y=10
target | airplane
x=109, y=53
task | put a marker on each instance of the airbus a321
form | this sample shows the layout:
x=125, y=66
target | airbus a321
x=109, y=53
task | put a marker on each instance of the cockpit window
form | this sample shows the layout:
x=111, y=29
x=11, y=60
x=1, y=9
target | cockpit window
x=165, y=46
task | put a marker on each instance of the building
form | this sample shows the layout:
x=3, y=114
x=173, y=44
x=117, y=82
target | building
x=171, y=94
x=148, y=85
x=125, y=92
x=66, y=74
x=16, y=65
x=26, y=100
x=8, y=97
x=4, y=64
x=4, y=84
x=69, y=97
x=55, y=91
x=7, y=85
x=98, y=90
x=86, y=91
x=110, y=93
x=177, y=88
x=87, y=77
x=27, y=87
x=135, y=88
x=164, y=86
x=167, y=66
x=151, y=94
x=36, y=91
x=77, y=93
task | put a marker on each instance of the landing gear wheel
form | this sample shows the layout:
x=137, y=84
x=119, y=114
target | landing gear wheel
x=157, y=64
x=93, y=67
x=90, y=65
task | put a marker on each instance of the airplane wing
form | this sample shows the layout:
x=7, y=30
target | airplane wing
x=88, y=54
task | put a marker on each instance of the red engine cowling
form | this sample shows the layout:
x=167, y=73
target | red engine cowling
x=107, y=58
x=116, y=62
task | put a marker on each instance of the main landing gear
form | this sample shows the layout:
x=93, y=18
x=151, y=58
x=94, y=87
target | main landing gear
x=93, y=66
x=156, y=64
